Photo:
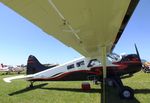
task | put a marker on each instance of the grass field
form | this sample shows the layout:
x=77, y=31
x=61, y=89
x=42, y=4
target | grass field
x=70, y=92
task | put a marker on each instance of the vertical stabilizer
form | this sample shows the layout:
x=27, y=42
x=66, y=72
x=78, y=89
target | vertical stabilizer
x=34, y=66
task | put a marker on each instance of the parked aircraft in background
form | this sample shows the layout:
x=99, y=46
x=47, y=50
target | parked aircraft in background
x=4, y=68
x=18, y=69
x=8, y=69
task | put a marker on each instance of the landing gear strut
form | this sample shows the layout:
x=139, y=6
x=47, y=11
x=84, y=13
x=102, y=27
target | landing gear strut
x=125, y=92
x=31, y=85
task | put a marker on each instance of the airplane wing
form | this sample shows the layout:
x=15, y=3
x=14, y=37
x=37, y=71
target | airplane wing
x=85, y=25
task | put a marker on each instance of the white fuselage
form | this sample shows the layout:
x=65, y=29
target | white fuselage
x=71, y=66
x=77, y=64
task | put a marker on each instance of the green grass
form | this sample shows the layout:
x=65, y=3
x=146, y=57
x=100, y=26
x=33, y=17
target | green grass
x=70, y=92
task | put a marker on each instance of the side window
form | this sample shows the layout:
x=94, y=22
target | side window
x=70, y=66
x=79, y=64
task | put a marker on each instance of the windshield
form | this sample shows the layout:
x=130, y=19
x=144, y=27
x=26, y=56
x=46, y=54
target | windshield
x=114, y=57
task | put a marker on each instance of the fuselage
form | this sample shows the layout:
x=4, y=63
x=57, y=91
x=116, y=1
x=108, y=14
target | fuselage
x=89, y=69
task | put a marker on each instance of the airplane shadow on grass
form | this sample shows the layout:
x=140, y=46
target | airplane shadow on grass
x=142, y=91
x=41, y=86
x=112, y=94
x=27, y=89
x=74, y=90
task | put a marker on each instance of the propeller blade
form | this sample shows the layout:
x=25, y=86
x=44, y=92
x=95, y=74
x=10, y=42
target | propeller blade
x=137, y=52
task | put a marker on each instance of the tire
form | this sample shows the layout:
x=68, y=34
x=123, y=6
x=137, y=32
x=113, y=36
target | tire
x=126, y=93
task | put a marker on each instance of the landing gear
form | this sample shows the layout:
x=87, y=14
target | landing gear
x=110, y=83
x=31, y=85
x=125, y=92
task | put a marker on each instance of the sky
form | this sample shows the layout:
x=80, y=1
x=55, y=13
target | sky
x=20, y=38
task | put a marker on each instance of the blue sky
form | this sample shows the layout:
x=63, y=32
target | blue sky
x=19, y=38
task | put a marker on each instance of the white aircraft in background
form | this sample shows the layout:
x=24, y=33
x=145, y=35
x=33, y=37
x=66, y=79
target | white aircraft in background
x=8, y=69
x=4, y=68
x=18, y=69
x=92, y=28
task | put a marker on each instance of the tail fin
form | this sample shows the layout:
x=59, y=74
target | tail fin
x=34, y=66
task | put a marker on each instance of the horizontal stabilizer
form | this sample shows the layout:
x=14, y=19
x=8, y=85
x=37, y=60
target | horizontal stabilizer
x=9, y=79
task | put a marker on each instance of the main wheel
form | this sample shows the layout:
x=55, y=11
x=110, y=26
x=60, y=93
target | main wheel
x=126, y=93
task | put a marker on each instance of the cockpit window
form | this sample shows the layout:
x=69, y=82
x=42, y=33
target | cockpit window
x=114, y=57
x=79, y=64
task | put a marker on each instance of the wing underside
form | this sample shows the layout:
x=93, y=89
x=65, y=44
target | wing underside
x=85, y=25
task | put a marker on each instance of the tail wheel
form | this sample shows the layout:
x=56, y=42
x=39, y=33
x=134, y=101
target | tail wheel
x=127, y=93
x=31, y=85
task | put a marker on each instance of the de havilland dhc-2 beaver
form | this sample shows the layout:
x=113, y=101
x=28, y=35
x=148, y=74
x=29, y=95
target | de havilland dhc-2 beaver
x=85, y=69
x=92, y=28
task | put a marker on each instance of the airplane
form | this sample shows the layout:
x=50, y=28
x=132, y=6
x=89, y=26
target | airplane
x=18, y=69
x=92, y=28
x=8, y=69
x=4, y=68
x=81, y=69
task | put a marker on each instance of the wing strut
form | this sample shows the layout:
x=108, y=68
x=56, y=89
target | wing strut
x=103, y=85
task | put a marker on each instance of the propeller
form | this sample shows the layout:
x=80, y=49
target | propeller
x=137, y=52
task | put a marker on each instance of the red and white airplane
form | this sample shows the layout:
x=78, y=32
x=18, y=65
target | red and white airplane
x=93, y=28
x=82, y=69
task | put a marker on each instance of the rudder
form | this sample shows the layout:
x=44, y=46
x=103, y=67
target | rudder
x=34, y=66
